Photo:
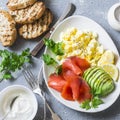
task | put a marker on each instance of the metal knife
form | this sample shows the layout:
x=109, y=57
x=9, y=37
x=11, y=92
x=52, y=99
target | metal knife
x=67, y=12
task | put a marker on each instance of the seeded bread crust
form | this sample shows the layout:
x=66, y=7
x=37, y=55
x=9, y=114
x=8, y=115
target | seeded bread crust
x=29, y=14
x=19, y=4
x=8, y=31
x=30, y=31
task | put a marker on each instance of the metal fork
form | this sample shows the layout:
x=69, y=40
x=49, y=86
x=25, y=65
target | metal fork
x=36, y=87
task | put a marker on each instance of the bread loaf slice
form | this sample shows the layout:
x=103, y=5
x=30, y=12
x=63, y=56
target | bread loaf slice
x=29, y=14
x=19, y=4
x=33, y=30
x=7, y=29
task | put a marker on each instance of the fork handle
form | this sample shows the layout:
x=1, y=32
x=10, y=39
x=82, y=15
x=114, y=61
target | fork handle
x=38, y=91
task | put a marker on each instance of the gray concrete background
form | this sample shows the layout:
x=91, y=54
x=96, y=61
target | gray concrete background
x=94, y=9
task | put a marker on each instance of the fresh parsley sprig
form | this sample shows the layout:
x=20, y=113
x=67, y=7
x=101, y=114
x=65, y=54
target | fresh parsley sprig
x=86, y=105
x=54, y=47
x=11, y=61
x=93, y=103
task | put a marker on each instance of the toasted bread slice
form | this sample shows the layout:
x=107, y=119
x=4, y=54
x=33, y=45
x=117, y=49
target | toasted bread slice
x=29, y=14
x=7, y=29
x=19, y=4
x=29, y=31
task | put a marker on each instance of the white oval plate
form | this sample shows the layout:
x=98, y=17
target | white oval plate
x=83, y=23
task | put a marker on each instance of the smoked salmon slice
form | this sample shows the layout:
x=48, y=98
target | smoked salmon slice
x=85, y=93
x=74, y=83
x=70, y=64
x=80, y=89
x=56, y=82
x=75, y=64
x=82, y=63
x=67, y=92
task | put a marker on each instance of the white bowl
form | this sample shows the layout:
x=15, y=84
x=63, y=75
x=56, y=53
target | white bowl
x=114, y=16
x=24, y=107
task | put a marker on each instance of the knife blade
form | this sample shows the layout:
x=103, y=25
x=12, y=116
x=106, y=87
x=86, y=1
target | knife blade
x=69, y=10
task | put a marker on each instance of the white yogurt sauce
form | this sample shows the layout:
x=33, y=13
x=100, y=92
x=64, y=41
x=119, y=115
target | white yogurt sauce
x=22, y=108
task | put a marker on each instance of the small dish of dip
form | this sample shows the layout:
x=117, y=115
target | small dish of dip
x=24, y=107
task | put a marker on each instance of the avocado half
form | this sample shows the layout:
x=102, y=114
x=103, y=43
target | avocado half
x=99, y=80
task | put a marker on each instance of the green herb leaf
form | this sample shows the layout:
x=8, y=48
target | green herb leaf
x=59, y=69
x=11, y=61
x=48, y=60
x=93, y=103
x=86, y=104
x=7, y=76
x=54, y=47
x=96, y=101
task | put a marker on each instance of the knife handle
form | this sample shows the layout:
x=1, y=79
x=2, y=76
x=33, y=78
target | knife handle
x=40, y=44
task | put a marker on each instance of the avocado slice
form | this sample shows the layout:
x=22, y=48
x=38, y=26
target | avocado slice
x=87, y=72
x=92, y=71
x=107, y=88
x=95, y=78
x=104, y=81
x=100, y=80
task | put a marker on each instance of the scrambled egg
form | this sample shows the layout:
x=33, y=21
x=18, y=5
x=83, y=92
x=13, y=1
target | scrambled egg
x=84, y=44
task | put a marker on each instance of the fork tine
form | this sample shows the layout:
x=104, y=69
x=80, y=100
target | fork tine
x=30, y=77
x=27, y=79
